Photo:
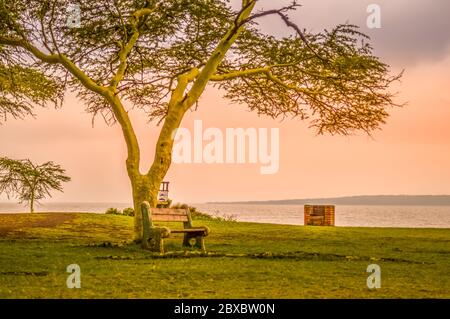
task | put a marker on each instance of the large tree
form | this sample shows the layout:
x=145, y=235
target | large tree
x=160, y=56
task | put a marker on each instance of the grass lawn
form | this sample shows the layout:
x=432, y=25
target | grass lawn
x=244, y=260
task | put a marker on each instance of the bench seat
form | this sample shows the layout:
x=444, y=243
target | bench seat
x=192, y=230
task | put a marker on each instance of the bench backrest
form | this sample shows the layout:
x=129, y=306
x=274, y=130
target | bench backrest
x=169, y=214
x=165, y=215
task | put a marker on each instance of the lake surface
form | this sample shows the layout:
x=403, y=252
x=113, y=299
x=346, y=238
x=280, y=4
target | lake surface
x=364, y=216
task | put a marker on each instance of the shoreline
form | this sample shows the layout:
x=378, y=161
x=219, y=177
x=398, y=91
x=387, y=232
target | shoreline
x=239, y=221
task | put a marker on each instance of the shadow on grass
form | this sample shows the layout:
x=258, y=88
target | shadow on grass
x=296, y=255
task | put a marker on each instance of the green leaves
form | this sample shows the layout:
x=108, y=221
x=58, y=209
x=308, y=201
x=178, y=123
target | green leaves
x=140, y=48
x=22, y=88
x=333, y=79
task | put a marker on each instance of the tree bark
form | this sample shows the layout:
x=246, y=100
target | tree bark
x=33, y=195
x=141, y=192
x=32, y=203
x=146, y=187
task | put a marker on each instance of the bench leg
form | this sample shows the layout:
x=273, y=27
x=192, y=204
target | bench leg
x=199, y=241
x=186, y=240
x=154, y=242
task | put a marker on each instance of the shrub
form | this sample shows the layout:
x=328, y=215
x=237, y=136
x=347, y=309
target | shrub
x=181, y=206
x=113, y=211
x=164, y=205
x=128, y=211
x=224, y=217
x=195, y=214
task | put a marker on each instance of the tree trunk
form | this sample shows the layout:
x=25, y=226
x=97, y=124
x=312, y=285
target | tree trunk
x=32, y=203
x=33, y=194
x=146, y=187
x=142, y=191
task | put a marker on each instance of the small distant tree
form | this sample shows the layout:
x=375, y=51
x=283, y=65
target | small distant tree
x=30, y=182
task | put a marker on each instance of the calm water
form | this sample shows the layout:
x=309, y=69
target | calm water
x=367, y=216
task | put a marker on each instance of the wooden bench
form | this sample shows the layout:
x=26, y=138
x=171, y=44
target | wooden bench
x=153, y=236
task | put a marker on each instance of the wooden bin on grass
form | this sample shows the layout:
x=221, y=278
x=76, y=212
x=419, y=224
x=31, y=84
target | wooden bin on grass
x=319, y=215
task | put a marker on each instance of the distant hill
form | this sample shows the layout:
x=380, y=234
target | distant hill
x=401, y=200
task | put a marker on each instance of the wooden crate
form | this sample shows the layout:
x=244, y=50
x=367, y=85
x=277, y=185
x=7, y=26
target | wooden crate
x=319, y=215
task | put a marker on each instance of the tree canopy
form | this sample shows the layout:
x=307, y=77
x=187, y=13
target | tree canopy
x=23, y=88
x=140, y=48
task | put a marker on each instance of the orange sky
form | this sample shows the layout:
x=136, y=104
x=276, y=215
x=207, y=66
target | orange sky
x=411, y=155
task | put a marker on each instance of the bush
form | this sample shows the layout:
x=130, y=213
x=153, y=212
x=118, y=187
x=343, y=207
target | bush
x=128, y=211
x=113, y=211
x=224, y=217
x=195, y=214
x=164, y=205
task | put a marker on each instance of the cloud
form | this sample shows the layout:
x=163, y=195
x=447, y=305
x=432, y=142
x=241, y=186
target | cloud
x=412, y=31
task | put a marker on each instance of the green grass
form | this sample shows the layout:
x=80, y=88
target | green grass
x=244, y=260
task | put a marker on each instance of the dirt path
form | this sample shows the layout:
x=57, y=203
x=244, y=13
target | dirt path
x=16, y=222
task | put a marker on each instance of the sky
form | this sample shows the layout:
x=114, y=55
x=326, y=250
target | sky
x=410, y=155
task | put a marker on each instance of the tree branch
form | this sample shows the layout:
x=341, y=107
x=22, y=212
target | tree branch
x=146, y=11
x=117, y=107
x=123, y=55
x=266, y=71
x=238, y=74
x=218, y=55
x=126, y=49
x=244, y=73
x=129, y=134
x=55, y=59
x=282, y=13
